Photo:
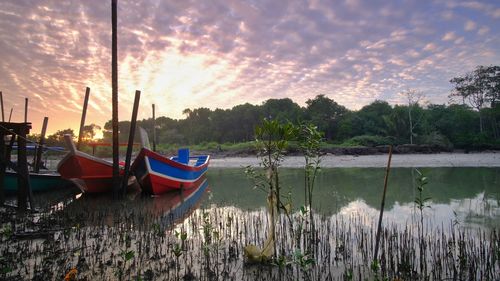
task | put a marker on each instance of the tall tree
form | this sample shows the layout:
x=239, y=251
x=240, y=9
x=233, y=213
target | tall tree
x=89, y=131
x=326, y=114
x=413, y=97
x=282, y=110
x=58, y=137
x=369, y=120
x=478, y=87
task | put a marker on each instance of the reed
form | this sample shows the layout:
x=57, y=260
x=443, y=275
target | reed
x=208, y=245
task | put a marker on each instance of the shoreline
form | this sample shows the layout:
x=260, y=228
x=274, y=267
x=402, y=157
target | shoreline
x=487, y=159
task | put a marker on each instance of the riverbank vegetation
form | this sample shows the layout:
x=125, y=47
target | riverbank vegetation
x=471, y=120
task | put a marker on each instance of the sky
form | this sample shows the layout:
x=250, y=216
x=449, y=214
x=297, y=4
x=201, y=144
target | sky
x=221, y=53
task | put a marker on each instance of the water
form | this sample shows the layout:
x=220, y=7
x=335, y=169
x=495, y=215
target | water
x=222, y=217
x=470, y=196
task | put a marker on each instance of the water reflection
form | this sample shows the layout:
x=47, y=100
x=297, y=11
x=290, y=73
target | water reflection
x=104, y=231
x=138, y=210
x=469, y=196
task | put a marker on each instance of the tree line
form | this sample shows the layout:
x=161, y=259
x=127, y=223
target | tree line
x=470, y=121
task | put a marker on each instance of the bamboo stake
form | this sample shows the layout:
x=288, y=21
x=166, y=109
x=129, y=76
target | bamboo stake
x=23, y=179
x=154, y=129
x=38, y=158
x=3, y=165
x=114, y=84
x=382, y=205
x=84, y=114
x=1, y=102
x=26, y=110
x=130, y=144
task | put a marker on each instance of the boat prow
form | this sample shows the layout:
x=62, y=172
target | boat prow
x=91, y=174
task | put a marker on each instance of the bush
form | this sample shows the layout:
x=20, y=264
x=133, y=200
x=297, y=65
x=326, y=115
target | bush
x=436, y=139
x=367, y=140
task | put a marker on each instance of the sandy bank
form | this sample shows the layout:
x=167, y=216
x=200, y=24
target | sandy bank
x=398, y=160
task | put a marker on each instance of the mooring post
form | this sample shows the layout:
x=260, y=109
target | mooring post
x=41, y=143
x=84, y=114
x=3, y=165
x=130, y=144
x=23, y=183
x=114, y=84
x=8, y=154
x=25, y=110
x=154, y=129
x=1, y=103
x=382, y=205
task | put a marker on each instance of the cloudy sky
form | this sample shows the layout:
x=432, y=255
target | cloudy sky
x=221, y=53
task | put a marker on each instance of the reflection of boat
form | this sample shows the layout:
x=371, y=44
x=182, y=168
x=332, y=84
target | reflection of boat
x=89, y=173
x=140, y=210
x=158, y=174
x=174, y=206
x=42, y=181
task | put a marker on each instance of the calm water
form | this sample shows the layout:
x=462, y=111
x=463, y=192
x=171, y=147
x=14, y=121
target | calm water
x=226, y=214
x=471, y=196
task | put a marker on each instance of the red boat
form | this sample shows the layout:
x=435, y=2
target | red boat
x=157, y=174
x=89, y=173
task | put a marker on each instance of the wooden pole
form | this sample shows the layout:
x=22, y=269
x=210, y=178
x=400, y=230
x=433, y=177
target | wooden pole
x=130, y=144
x=154, y=129
x=114, y=83
x=3, y=165
x=23, y=184
x=10, y=115
x=39, y=150
x=84, y=114
x=25, y=110
x=8, y=152
x=382, y=205
x=1, y=102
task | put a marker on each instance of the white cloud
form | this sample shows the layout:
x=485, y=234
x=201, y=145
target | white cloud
x=447, y=15
x=470, y=25
x=449, y=36
x=459, y=40
x=430, y=47
x=225, y=53
x=483, y=30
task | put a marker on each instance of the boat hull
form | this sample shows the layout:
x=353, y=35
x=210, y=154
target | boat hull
x=157, y=174
x=39, y=182
x=90, y=175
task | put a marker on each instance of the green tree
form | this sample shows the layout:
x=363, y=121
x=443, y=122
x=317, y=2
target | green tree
x=396, y=124
x=58, y=137
x=282, y=110
x=369, y=120
x=325, y=114
x=477, y=88
x=197, y=126
x=89, y=131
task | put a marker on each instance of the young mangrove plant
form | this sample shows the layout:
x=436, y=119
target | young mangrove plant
x=421, y=203
x=309, y=141
x=272, y=139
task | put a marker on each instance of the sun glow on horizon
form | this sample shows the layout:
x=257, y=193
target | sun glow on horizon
x=175, y=81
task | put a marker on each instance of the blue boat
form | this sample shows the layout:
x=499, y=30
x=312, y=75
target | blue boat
x=157, y=174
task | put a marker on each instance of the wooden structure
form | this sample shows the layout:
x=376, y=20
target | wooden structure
x=17, y=131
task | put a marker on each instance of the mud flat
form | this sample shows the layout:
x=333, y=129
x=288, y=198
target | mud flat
x=487, y=159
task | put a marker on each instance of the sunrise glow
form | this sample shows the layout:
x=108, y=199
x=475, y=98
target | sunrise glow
x=218, y=55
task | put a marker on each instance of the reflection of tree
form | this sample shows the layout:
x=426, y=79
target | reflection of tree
x=337, y=187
